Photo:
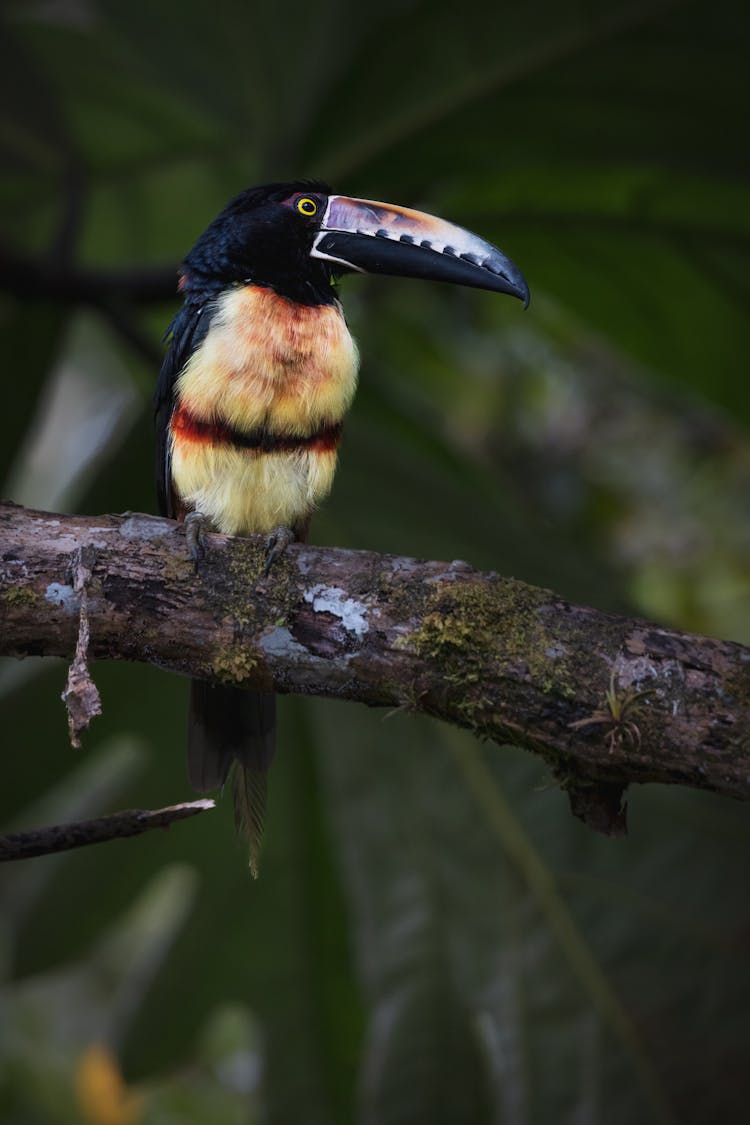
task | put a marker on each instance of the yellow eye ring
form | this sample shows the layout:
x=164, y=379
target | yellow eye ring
x=307, y=206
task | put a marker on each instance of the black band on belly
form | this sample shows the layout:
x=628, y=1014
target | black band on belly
x=186, y=427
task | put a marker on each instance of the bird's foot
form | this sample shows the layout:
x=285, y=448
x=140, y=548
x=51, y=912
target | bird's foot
x=276, y=543
x=195, y=534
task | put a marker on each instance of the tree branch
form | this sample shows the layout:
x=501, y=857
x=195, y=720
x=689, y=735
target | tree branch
x=116, y=826
x=58, y=280
x=606, y=700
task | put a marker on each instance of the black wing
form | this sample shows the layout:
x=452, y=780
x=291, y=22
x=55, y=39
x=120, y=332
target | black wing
x=185, y=334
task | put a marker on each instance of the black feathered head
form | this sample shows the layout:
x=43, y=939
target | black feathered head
x=296, y=237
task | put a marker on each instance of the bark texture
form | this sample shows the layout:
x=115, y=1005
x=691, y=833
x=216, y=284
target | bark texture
x=605, y=699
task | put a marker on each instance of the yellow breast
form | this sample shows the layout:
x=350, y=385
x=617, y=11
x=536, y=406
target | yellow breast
x=267, y=364
x=269, y=361
x=242, y=493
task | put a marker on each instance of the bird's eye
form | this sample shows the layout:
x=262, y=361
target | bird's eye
x=306, y=206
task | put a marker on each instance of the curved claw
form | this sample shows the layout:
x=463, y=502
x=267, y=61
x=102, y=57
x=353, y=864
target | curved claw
x=276, y=543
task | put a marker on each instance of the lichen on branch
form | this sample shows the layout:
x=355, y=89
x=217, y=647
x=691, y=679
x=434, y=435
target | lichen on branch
x=605, y=699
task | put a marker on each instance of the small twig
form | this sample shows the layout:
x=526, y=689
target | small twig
x=81, y=695
x=63, y=837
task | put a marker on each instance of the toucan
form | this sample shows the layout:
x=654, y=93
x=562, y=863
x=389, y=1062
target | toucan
x=259, y=374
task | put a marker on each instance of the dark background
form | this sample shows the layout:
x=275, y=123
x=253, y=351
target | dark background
x=433, y=938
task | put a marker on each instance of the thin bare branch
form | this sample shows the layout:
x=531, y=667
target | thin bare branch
x=63, y=837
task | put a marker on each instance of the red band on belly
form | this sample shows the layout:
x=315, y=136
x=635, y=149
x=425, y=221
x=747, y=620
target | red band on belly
x=186, y=427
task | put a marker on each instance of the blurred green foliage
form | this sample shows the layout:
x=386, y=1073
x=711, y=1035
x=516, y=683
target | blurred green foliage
x=433, y=938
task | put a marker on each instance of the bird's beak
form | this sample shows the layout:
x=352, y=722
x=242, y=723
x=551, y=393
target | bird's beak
x=370, y=237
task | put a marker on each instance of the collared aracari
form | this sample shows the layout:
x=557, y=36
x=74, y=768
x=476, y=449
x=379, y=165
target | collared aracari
x=259, y=374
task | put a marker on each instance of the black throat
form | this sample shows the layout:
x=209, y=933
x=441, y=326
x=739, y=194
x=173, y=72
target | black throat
x=242, y=247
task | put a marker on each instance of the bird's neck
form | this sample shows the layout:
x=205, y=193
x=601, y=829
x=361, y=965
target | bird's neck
x=303, y=281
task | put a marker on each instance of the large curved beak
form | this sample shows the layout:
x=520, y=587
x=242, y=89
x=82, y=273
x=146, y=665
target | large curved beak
x=371, y=237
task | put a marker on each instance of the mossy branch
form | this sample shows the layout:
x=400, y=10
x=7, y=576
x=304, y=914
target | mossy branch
x=605, y=699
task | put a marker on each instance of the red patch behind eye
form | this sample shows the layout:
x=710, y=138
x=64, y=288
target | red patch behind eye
x=293, y=200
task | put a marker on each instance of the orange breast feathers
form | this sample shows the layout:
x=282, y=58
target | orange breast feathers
x=269, y=362
x=258, y=411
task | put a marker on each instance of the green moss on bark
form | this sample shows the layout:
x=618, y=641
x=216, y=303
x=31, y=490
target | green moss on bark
x=20, y=596
x=470, y=626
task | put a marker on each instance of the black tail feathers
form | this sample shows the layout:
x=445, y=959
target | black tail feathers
x=227, y=725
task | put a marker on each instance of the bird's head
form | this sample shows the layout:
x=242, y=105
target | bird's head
x=299, y=237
